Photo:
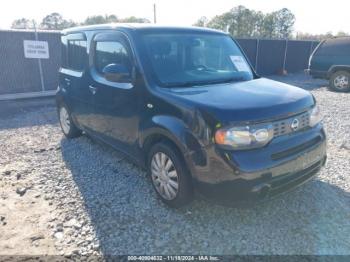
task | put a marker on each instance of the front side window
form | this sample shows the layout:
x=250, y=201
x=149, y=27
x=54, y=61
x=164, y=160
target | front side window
x=179, y=59
x=111, y=52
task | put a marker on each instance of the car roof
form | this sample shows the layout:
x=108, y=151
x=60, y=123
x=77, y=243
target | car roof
x=139, y=27
x=339, y=38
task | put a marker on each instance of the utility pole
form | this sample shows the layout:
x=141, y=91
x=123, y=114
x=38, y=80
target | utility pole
x=154, y=14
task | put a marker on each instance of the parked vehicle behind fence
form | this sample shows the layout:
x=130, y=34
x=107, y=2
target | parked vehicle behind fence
x=185, y=104
x=331, y=61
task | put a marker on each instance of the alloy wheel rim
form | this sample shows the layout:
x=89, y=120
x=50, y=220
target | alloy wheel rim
x=64, y=119
x=341, y=82
x=164, y=176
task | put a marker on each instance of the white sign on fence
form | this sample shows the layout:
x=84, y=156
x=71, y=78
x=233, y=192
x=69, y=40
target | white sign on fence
x=36, y=49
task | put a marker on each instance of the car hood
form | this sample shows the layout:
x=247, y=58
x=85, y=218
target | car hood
x=256, y=100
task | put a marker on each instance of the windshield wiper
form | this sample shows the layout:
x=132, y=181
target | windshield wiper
x=199, y=83
x=227, y=80
x=184, y=84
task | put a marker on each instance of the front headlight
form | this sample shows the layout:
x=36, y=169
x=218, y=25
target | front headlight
x=244, y=137
x=315, y=116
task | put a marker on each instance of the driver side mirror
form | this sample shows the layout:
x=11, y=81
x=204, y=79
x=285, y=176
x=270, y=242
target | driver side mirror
x=118, y=73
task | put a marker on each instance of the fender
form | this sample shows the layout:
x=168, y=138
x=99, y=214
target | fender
x=335, y=68
x=178, y=132
x=168, y=126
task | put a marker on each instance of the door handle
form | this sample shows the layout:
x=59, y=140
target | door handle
x=93, y=89
x=67, y=80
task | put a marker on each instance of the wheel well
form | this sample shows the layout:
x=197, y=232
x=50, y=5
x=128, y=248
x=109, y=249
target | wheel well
x=157, y=138
x=339, y=68
x=59, y=103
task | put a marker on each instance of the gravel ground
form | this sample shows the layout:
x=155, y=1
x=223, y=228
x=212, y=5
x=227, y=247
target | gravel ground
x=60, y=196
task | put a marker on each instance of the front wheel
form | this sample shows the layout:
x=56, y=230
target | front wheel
x=339, y=81
x=68, y=127
x=169, y=175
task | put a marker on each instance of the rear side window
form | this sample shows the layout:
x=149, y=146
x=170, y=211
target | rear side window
x=337, y=46
x=74, y=54
x=111, y=52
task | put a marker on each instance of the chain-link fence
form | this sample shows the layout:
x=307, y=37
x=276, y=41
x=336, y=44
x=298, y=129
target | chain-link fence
x=271, y=56
x=20, y=74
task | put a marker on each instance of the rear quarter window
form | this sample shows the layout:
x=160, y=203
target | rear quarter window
x=74, y=53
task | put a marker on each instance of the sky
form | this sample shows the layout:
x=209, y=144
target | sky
x=312, y=16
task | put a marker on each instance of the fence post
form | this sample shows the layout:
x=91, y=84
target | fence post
x=39, y=61
x=285, y=56
x=310, y=53
x=257, y=55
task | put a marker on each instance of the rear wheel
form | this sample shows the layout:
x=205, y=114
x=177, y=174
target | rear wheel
x=340, y=81
x=68, y=127
x=169, y=175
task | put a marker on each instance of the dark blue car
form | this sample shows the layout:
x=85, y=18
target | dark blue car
x=186, y=105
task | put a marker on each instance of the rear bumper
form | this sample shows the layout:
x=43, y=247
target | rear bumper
x=248, y=176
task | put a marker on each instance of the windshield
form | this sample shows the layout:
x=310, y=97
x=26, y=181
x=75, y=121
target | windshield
x=179, y=59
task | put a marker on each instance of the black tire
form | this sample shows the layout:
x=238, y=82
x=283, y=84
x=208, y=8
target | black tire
x=184, y=194
x=340, y=81
x=69, y=129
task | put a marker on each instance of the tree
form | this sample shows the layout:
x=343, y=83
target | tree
x=133, y=19
x=259, y=23
x=218, y=22
x=23, y=23
x=268, y=29
x=111, y=18
x=284, y=22
x=341, y=34
x=202, y=22
x=99, y=19
x=319, y=37
x=55, y=21
x=96, y=19
x=243, y=22
x=239, y=21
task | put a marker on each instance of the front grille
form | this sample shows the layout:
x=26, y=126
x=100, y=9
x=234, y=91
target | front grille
x=297, y=149
x=284, y=127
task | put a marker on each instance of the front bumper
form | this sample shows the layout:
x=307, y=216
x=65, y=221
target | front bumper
x=251, y=175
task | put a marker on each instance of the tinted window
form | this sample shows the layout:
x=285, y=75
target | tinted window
x=76, y=54
x=337, y=46
x=189, y=59
x=111, y=52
